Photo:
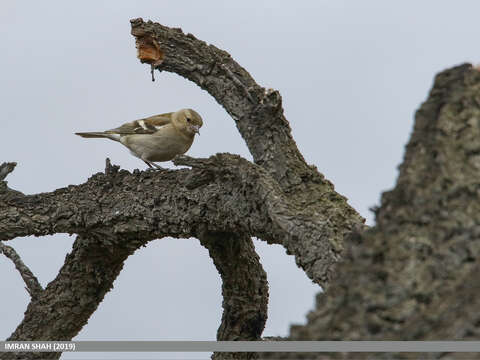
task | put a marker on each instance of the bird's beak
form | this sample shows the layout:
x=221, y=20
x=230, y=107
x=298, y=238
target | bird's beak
x=196, y=129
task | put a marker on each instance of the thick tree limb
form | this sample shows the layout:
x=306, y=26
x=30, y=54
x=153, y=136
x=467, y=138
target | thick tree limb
x=118, y=212
x=258, y=114
x=33, y=285
x=67, y=303
x=244, y=289
x=243, y=280
x=224, y=193
x=259, y=117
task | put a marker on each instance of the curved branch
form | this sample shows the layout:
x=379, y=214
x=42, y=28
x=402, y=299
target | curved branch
x=197, y=201
x=67, y=303
x=258, y=114
x=279, y=199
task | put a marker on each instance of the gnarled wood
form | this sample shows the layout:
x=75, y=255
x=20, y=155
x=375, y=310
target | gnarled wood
x=244, y=289
x=223, y=200
x=258, y=115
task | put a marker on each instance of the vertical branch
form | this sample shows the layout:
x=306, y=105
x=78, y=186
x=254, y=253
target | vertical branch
x=244, y=289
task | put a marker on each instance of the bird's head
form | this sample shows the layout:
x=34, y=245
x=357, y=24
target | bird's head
x=187, y=121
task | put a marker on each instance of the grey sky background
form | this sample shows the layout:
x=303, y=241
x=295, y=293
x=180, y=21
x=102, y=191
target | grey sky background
x=351, y=75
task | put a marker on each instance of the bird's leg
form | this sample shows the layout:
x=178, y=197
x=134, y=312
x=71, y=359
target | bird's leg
x=149, y=163
x=146, y=162
x=157, y=166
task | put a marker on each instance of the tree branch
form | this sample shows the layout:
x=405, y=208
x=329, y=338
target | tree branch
x=225, y=192
x=33, y=285
x=223, y=200
x=67, y=303
x=258, y=114
x=244, y=289
x=243, y=280
x=119, y=212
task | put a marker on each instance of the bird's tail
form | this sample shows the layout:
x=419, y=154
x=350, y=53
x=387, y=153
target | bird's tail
x=114, y=137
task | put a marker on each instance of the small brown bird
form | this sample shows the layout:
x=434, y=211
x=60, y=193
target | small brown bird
x=156, y=138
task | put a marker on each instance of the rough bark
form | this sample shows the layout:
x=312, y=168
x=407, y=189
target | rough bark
x=224, y=193
x=223, y=201
x=67, y=303
x=414, y=276
x=245, y=297
x=117, y=212
x=258, y=115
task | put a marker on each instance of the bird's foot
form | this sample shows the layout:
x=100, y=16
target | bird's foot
x=152, y=166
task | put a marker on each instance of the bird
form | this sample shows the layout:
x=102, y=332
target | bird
x=156, y=138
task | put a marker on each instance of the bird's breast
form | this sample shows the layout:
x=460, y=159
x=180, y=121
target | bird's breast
x=161, y=146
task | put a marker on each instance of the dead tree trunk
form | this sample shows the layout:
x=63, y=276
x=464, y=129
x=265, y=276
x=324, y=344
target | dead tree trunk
x=415, y=275
x=223, y=201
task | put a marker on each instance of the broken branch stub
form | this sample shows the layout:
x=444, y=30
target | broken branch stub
x=148, y=50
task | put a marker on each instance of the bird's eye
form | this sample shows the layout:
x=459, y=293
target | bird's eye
x=188, y=119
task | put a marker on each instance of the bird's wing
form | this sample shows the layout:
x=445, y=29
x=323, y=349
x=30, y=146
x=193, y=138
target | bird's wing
x=147, y=125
